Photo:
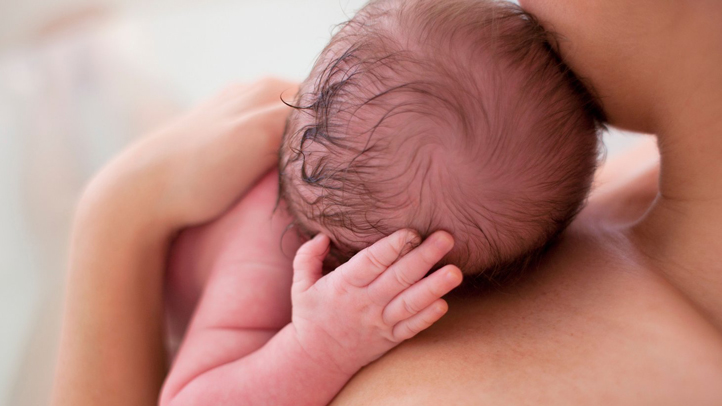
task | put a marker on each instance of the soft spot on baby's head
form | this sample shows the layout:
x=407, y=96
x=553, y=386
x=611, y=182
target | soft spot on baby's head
x=427, y=116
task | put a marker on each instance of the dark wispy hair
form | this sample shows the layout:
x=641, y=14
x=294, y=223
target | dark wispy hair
x=403, y=75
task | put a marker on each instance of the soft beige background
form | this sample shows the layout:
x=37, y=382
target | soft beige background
x=81, y=78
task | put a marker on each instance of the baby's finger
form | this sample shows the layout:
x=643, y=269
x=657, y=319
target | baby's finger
x=421, y=321
x=308, y=263
x=412, y=267
x=422, y=294
x=368, y=264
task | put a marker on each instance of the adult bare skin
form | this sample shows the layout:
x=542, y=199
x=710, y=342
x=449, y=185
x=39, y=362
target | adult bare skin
x=624, y=310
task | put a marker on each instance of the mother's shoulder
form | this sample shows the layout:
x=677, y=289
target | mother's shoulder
x=589, y=327
x=593, y=325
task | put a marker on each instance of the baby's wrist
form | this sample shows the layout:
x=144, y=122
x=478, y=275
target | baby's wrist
x=322, y=360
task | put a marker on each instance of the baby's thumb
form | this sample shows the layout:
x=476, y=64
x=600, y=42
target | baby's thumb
x=308, y=263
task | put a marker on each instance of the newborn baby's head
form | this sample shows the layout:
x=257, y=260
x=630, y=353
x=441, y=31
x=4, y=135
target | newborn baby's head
x=451, y=115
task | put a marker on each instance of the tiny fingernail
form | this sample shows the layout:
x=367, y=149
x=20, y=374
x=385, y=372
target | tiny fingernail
x=444, y=241
x=451, y=276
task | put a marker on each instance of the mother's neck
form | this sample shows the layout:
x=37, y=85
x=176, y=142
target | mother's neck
x=682, y=232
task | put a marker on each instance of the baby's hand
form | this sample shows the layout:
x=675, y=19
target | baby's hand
x=367, y=306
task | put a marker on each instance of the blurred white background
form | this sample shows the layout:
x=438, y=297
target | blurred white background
x=81, y=78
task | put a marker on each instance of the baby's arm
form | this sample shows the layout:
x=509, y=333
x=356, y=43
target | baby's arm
x=340, y=323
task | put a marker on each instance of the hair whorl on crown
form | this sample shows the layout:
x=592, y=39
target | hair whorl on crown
x=454, y=115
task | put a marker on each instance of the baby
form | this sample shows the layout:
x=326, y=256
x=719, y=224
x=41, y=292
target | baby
x=454, y=115
x=424, y=115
